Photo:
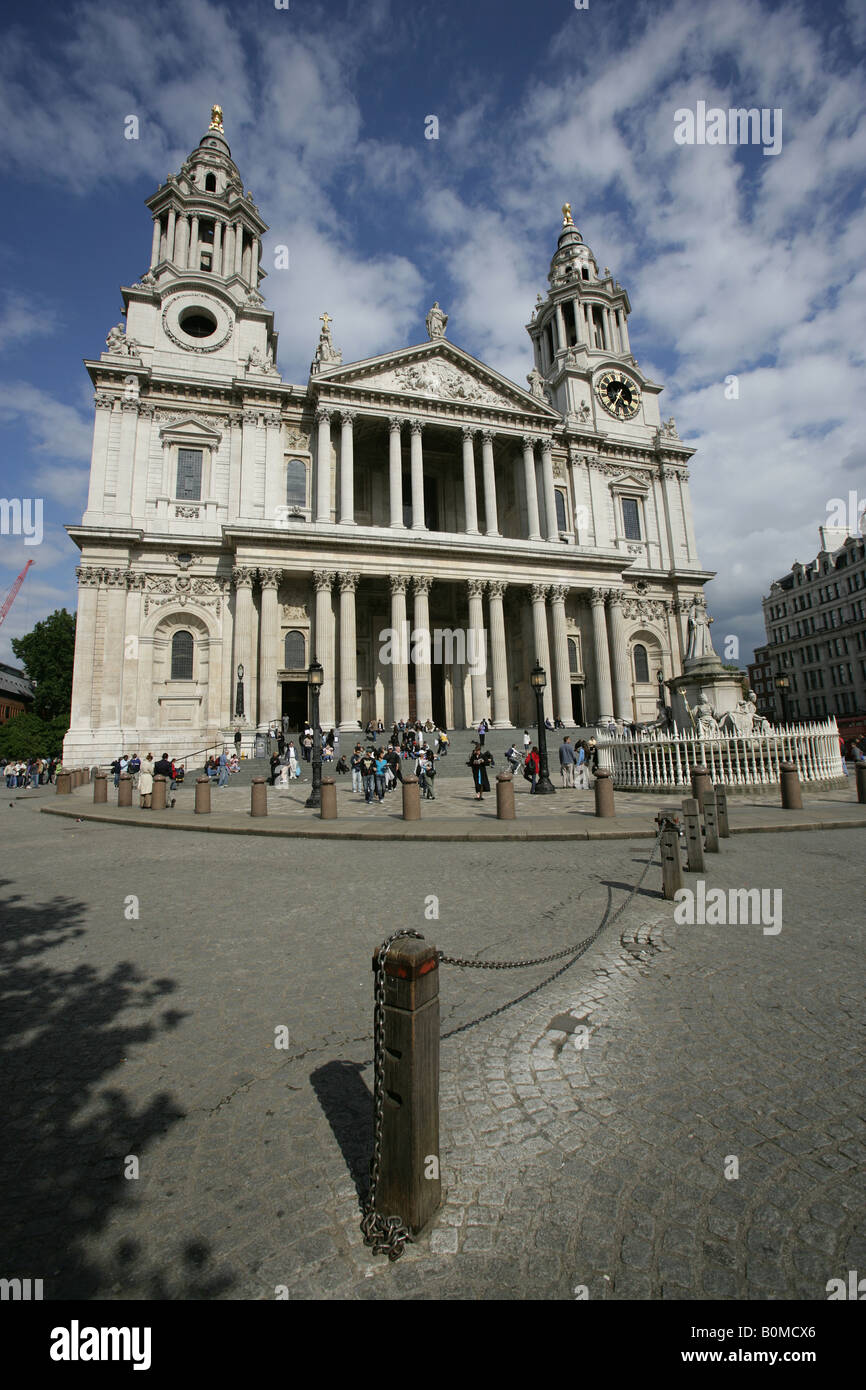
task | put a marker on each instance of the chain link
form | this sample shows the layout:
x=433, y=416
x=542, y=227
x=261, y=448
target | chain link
x=574, y=950
x=386, y=1234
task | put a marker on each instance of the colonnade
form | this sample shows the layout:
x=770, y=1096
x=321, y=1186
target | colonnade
x=177, y=240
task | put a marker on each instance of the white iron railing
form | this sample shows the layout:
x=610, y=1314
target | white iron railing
x=658, y=760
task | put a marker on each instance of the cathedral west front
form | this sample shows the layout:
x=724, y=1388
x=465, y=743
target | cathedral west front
x=423, y=526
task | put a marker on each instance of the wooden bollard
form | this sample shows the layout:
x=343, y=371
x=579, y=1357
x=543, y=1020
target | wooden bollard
x=63, y=783
x=792, y=795
x=124, y=790
x=711, y=823
x=672, y=864
x=604, y=793
x=702, y=784
x=504, y=796
x=328, y=810
x=409, y=1185
x=411, y=799
x=160, y=786
x=258, y=797
x=202, y=796
x=100, y=788
x=692, y=828
x=860, y=775
x=722, y=813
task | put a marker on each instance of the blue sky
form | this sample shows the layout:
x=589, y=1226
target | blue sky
x=736, y=263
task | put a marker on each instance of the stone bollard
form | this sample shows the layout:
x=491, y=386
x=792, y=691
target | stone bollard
x=328, y=809
x=202, y=796
x=411, y=799
x=604, y=793
x=672, y=864
x=409, y=1185
x=160, y=786
x=722, y=813
x=692, y=827
x=76, y=780
x=792, y=796
x=258, y=797
x=124, y=790
x=63, y=783
x=504, y=796
x=701, y=784
x=100, y=788
x=861, y=783
x=711, y=823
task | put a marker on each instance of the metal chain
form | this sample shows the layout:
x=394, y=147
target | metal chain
x=579, y=947
x=386, y=1234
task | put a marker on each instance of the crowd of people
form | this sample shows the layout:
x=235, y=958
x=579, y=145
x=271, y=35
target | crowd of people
x=28, y=772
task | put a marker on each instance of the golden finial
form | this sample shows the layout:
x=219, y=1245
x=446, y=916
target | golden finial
x=326, y=319
x=566, y=215
x=216, y=118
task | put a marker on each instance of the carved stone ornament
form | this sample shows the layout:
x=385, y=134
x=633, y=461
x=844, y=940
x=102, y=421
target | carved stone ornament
x=597, y=596
x=496, y=588
x=162, y=589
x=323, y=580
x=187, y=513
x=270, y=578
x=538, y=592
x=398, y=583
x=559, y=593
x=120, y=344
x=435, y=378
x=243, y=577
x=348, y=582
x=422, y=583
x=298, y=439
x=476, y=587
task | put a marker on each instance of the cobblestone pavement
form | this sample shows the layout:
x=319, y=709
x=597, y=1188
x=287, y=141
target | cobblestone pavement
x=152, y=1037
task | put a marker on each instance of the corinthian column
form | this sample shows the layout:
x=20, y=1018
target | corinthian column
x=498, y=659
x=470, y=504
x=323, y=465
x=549, y=491
x=348, y=653
x=347, y=469
x=269, y=640
x=323, y=581
x=478, y=649
x=395, y=469
x=399, y=650
x=619, y=650
x=421, y=640
x=243, y=582
x=530, y=488
x=542, y=649
x=417, y=462
x=561, y=672
x=490, y=518
x=604, y=694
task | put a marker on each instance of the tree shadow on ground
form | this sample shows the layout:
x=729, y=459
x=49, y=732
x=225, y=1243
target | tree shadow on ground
x=65, y=1030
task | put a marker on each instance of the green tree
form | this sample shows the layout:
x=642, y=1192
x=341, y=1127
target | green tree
x=47, y=654
x=25, y=736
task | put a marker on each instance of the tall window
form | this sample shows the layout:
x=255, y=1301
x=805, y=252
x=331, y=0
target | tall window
x=573, y=661
x=189, y=462
x=296, y=483
x=641, y=664
x=295, y=651
x=210, y=183
x=561, y=523
x=631, y=519
x=181, y=656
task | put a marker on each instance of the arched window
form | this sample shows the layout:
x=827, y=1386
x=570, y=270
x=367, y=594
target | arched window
x=181, y=656
x=641, y=664
x=296, y=651
x=296, y=483
x=210, y=183
x=561, y=523
x=573, y=661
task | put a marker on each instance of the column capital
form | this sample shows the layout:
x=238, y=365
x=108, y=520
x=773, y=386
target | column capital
x=323, y=415
x=597, y=597
x=415, y=426
x=422, y=583
x=103, y=401
x=575, y=457
x=130, y=405
x=539, y=592
x=615, y=598
x=469, y=432
x=546, y=444
x=347, y=417
x=348, y=581
x=529, y=442
x=251, y=416
x=476, y=587
x=270, y=578
x=323, y=580
x=396, y=423
x=272, y=419
x=559, y=592
x=242, y=577
x=487, y=435
x=496, y=588
x=398, y=583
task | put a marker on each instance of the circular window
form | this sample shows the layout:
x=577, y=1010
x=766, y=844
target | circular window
x=198, y=323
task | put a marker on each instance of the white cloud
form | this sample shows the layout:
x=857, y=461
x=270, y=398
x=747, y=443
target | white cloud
x=54, y=428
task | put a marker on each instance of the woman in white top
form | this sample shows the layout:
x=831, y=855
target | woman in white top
x=293, y=760
x=145, y=782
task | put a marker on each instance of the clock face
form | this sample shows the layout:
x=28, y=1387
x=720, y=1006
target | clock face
x=618, y=395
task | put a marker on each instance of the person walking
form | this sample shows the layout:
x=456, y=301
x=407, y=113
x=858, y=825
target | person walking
x=294, y=770
x=581, y=771
x=482, y=732
x=355, y=765
x=381, y=769
x=145, y=783
x=368, y=775
x=532, y=765
x=526, y=742
x=566, y=762
x=479, y=761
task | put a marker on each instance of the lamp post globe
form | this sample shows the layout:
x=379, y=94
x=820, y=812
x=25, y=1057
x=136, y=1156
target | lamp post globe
x=538, y=680
x=315, y=677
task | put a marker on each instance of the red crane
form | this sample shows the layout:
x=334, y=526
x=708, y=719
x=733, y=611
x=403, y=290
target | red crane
x=13, y=592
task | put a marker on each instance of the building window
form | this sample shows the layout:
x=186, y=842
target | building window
x=296, y=650
x=181, y=656
x=189, y=464
x=573, y=657
x=296, y=483
x=631, y=519
x=641, y=665
x=210, y=183
x=561, y=521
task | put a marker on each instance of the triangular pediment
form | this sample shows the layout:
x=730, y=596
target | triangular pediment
x=440, y=370
x=189, y=426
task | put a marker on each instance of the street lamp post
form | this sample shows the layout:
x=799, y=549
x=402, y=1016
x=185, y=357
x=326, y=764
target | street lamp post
x=782, y=683
x=315, y=676
x=543, y=786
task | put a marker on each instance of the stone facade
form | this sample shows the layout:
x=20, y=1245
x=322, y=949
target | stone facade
x=424, y=526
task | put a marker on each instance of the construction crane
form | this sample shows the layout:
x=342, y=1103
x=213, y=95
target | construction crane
x=13, y=592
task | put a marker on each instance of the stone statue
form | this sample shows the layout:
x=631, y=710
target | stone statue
x=705, y=721
x=536, y=384
x=116, y=340
x=436, y=322
x=583, y=413
x=216, y=118
x=669, y=429
x=700, y=642
x=326, y=353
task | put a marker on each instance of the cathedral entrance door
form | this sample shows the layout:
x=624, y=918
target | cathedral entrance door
x=295, y=703
x=577, y=705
